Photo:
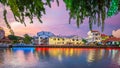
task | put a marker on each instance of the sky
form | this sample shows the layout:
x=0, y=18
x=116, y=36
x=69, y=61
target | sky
x=56, y=21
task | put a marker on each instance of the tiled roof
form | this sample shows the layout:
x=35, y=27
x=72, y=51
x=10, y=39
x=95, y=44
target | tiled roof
x=94, y=31
x=112, y=39
x=103, y=35
x=5, y=39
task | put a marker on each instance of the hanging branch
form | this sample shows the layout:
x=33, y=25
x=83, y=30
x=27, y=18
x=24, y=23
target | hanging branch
x=24, y=8
x=95, y=10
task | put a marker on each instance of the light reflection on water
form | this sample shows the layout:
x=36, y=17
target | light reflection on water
x=59, y=58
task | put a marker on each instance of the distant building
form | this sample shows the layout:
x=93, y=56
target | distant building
x=42, y=37
x=112, y=41
x=2, y=33
x=35, y=40
x=76, y=40
x=57, y=40
x=3, y=39
x=65, y=40
x=94, y=36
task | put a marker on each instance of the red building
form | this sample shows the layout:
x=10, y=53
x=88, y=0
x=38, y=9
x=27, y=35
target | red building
x=112, y=41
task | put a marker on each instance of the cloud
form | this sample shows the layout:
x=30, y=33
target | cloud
x=116, y=33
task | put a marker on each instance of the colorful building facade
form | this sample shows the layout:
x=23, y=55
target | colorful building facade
x=57, y=40
x=42, y=37
x=112, y=41
x=94, y=36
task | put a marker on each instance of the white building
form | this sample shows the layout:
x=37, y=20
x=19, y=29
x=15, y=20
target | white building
x=94, y=36
x=42, y=37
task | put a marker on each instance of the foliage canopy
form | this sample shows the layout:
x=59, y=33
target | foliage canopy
x=27, y=39
x=96, y=10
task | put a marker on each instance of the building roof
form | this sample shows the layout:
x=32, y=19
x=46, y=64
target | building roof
x=91, y=32
x=112, y=39
x=103, y=35
x=45, y=33
x=94, y=31
x=6, y=39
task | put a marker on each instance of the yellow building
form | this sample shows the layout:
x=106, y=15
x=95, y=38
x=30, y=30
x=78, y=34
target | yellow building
x=56, y=40
x=76, y=40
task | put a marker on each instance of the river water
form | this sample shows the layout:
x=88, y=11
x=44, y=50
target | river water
x=59, y=58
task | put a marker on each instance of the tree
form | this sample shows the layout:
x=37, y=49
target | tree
x=27, y=39
x=25, y=8
x=84, y=40
x=96, y=10
x=14, y=38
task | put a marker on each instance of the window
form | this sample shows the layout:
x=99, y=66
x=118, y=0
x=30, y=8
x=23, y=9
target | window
x=72, y=39
x=96, y=34
x=76, y=39
x=58, y=39
x=46, y=38
x=63, y=39
x=54, y=39
x=40, y=37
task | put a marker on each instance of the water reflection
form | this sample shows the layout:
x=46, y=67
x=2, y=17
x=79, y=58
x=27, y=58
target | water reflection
x=116, y=56
x=19, y=58
x=1, y=56
x=95, y=55
x=58, y=53
x=59, y=57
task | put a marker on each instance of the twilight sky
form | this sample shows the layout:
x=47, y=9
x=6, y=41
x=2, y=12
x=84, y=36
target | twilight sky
x=56, y=21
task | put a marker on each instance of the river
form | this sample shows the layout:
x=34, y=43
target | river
x=59, y=58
